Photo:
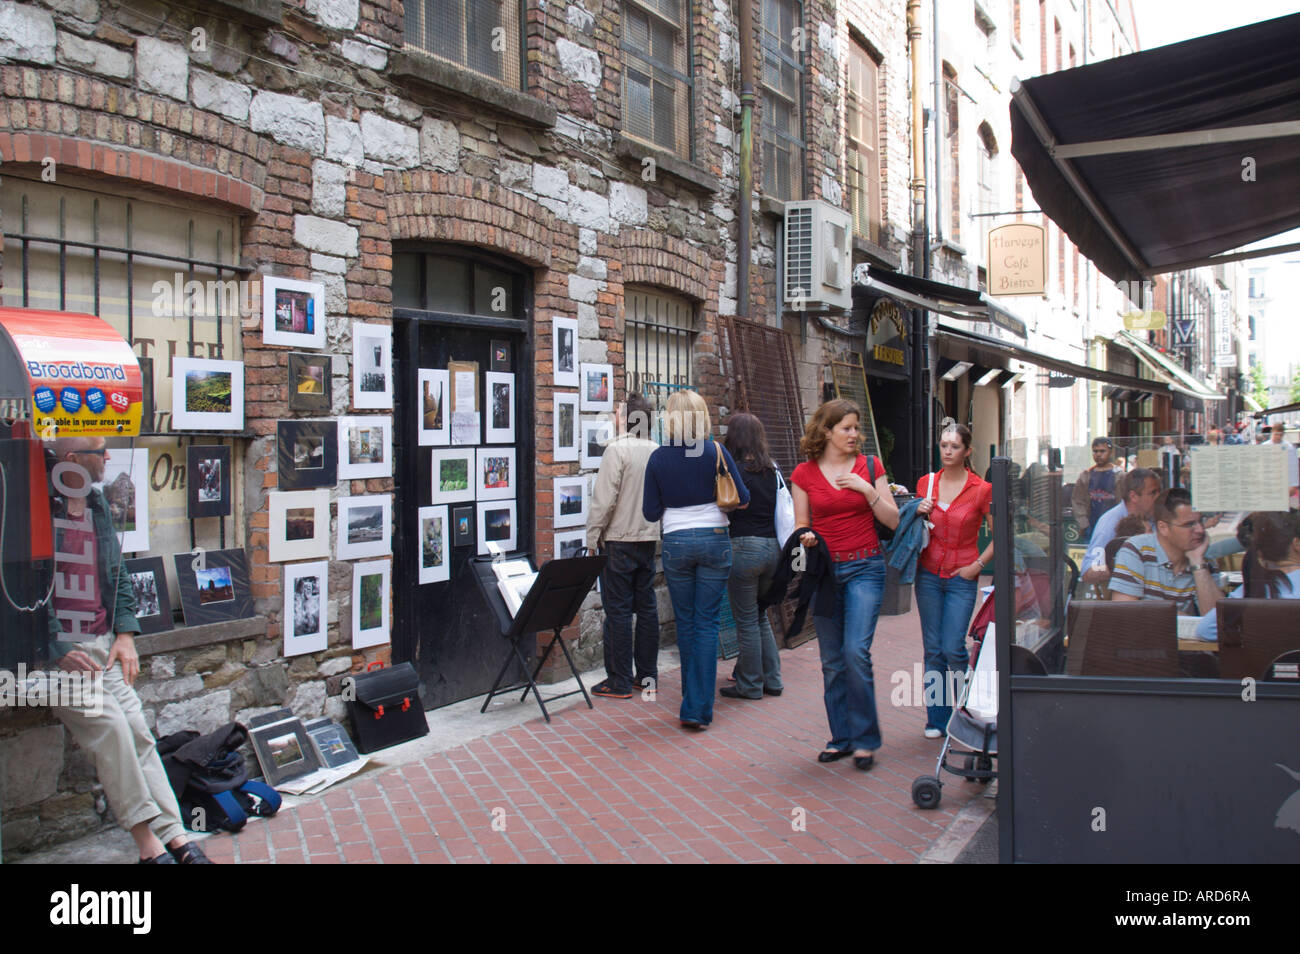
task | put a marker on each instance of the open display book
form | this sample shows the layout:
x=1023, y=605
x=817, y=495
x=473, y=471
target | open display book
x=514, y=579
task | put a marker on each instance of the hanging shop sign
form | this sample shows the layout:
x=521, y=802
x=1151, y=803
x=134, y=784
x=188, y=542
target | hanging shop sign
x=1017, y=257
x=887, y=333
x=1225, y=342
x=1184, y=332
x=1144, y=320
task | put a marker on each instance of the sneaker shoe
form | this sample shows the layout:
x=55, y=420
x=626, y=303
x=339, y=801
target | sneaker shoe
x=932, y=733
x=611, y=692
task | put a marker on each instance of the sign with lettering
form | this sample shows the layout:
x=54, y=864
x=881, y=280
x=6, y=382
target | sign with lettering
x=887, y=333
x=1184, y=332
x=1017, y=258
x=1144, y=320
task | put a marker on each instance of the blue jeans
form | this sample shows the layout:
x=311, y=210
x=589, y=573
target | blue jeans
x=753, y=564
x=627, y=587
x=844, y=636
x=696, y=566
x=945, y=606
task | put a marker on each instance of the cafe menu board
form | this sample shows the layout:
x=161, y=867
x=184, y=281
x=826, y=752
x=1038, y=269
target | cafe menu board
x=1238, y=477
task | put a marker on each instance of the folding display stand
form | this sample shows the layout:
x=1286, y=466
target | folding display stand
x=552, y=603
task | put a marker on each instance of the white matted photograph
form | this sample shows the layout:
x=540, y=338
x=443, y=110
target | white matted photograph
x=453, y=475
x=372, y=365
x=568, y=438
x=305, y=611
x=293, y=313
x=495, y=473
x=597, y=387
x=370, y=585
x=496, y=525
x=570, y=501
x=365, y=447
x=433, y=408
x=126, y=486
x=499, y=401
x=365, y=526
x=595, y=435
x=564, y=351
x=207, y=395
x=570, y=543
x=300, y=525
x=435, y=539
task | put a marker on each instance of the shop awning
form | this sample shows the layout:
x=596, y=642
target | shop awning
x=1141, y=159
x=967, y=304
x=1166, y=369
x=1280, y=409
x=1251, y=404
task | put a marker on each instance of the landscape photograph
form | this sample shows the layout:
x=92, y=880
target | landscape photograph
x=208, y=392
x=214, y=585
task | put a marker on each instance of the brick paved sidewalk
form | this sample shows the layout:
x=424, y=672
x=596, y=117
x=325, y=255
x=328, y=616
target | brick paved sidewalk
x=624, y=782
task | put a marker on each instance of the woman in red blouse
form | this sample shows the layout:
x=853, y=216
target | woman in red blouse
x=947, y=578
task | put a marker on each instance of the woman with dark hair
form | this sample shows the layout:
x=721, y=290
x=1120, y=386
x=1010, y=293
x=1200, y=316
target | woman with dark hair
x=1272, y=562
x=841, y=494
x=754, y=554
x=955, y=501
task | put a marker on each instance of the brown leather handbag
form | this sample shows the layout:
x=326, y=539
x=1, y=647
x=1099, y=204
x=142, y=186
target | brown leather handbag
x=725, y=493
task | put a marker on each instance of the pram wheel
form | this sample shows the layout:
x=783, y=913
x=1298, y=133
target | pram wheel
x=926, y=792
x=973, y=764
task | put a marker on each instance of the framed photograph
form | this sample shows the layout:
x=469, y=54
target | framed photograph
x=372, y=365
x=207, y=395
x=311, y=382
x=293, y=313
x=306, y=615
x=500, y=355
x=284, y=750
x=333, y=745
x=500, y=404
x=570, y=501
x=597, y=387
x=300, y=525
x=126, y=485
x=365, y=526
x=570, y=543
x=365, y=447
x=153, y=605
x=307, y=454
x=568, y=439
x=453, y=475
x=207, y=491
x=435, y=412
x=564, y=352
x=495, y=473
x=214, y=586
x=435, y=552
x=370, y=584
x=496, y=524
x=462, y=526
x=595, y=435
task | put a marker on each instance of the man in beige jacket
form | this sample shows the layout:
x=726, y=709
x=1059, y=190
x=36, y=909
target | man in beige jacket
x=615, y=524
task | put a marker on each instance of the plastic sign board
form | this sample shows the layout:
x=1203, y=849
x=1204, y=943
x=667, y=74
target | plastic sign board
x=1017, y=257
x=82, y=377
x=1145, y=320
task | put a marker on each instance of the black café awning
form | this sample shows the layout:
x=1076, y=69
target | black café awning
x=968, y=304
x=1141, y=159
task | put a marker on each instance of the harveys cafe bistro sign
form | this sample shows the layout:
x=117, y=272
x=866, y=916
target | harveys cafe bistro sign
x=887, y=335
x=1017, y=257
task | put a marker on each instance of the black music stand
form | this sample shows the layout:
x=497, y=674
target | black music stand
x=552, y=603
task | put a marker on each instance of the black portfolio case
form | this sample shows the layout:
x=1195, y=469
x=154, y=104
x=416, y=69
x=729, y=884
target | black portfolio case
x=387, y=708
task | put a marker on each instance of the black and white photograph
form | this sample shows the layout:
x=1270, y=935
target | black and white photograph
x=126, y=487
x=365, y=526
x=293, y=313
x=570, y=544
x=365, y=447
x=434, y=408
x=435, y=535
x=214, y=586
x=564, y=345
x=567, y=434
x=307, y=454
x=149, y=586
x=496, y=474
x=372, y=365
x=310, y=382
x=370, y=615
x=500, y=403
x=595, y=435
x=299, y=525
x=597, y=387
x=305, y=596
x=462, y=526
x=570, y=501
x=208, y=475
x=496, y=525
x=207, y=395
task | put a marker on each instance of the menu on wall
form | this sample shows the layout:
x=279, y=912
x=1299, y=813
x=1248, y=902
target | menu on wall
x=1238, y=477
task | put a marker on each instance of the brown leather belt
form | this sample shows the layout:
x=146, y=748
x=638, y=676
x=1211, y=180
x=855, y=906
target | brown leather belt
x=843, y=557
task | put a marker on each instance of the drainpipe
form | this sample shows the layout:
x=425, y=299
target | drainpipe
x=745, y=214
x=920, y=403
x=918, y=136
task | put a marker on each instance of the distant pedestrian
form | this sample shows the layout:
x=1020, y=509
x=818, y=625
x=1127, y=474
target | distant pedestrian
x=1094, y=491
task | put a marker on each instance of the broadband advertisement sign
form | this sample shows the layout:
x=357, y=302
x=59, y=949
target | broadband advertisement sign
x=83, y=377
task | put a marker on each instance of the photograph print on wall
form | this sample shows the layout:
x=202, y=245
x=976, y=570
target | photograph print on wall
x=214, y=586
x=570, y=501
x=597, y=387
x=306, y=454
x=293, y=313
x=311, y=382
x=207, y=395
x=126, y=487
x=434, y=410
x=305, y=609
x=153, y=605
x=570, y=544
x=496, y=525
x=299, y=525
x=564, y=351
x=500, y=355
x=500, y=404
x=372, y=365
x=435, y=565
x=370, y=585
x=595, y=435
x=207, y=479
x=365, y=526
x=496, y=473
x=568, y=437
x=365, y=447
x=462, y=526
x=453, y=475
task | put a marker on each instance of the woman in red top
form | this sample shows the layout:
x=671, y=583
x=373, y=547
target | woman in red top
x=834, y=494
x=948, y=576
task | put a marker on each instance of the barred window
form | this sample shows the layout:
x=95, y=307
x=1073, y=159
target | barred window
x=783, y=142
x=480, y=35
x=656, y=74
x=658, y=342
x=864, y=143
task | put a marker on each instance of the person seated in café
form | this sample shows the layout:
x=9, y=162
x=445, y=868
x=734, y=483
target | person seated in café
x=1138, y=490
x=1274, y=563
x=1168, y=564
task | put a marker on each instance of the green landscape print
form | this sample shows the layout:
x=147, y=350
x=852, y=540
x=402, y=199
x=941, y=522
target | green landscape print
x=372, y=612
x=207, y=391
x=453, y=475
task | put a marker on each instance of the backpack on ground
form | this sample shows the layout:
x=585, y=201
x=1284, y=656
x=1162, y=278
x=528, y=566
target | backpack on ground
x=207, y=774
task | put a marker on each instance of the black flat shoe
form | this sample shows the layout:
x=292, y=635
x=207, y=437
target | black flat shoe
x=731, y=692
x=163, y=859
x=833, y=755
x=190, y=854
x=863, y=762
x=773, y=692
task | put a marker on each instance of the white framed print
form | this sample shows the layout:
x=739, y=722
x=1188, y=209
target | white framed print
x=293, y=313
x=597, y=387
x=453, y=475
x=370, y=620
x=570, y=501
x=569, y=543
x=595, y=435
x=126, y=485
x=496, y=525
x=567, y=434
x=365, y=526
x=564, y=352
x=372, y=365
x=207, y=395
x=495, y=473
x=434, y=409
x=299, y=525
x=435, y=539
x=365, y=447
x=305, y=608
x=499, y=401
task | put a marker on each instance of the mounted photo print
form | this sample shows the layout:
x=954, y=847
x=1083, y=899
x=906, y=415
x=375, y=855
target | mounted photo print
x=311, y=382
x=570, y=543
x=153, y=604
x=300, y=525
x=570, y=501
x=500, y=404
x=207, y=491
x=453, y=475
x=568, y=439
x=597, y=387
x=293, y=313
x=306, y=615
x=496, y=525
x=435, y=552
x=207, y=395
x=372, y=365
x=496, y=473
x=564, y=352
x=370, y=584
x=595, y=435
x=365, y=447
x=214, y=586
x=283, y=750
x=435, y=412
x=462, y=526
x=500, y=355
x=126, y=486
x=365, y=526
x=307, y=454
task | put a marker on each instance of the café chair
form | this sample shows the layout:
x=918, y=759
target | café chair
x=1253, y=634
x=1122, y=639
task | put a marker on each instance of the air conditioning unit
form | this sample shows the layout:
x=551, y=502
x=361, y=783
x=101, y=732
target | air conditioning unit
x=818, y=263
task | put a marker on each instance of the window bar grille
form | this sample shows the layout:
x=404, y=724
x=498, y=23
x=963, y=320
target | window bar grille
x=63, y=255
x=94, y=218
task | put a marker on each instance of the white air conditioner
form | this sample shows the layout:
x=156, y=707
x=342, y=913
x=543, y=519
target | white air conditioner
x=818, y=263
